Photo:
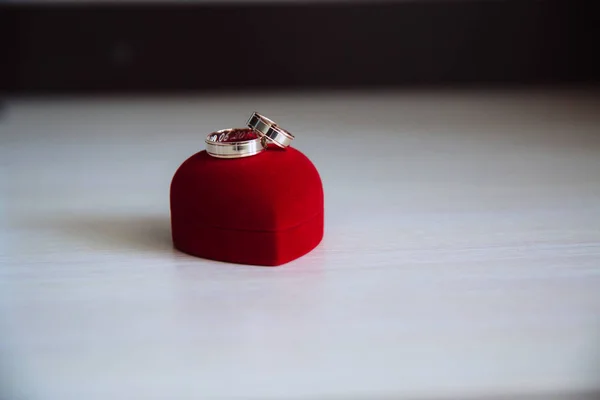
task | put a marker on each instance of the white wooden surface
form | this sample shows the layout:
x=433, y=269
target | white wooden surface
x=461, y=257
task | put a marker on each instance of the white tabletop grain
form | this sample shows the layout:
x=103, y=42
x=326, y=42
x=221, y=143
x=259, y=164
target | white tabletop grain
x=461, y=255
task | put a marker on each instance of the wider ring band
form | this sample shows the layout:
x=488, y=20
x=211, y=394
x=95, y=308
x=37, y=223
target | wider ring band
x=229, y=143
x=269, y=129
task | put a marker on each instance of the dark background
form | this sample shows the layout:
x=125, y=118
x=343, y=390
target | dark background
x=96, y=48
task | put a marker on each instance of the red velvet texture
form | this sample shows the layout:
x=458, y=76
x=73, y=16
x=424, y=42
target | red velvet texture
x=262, y=210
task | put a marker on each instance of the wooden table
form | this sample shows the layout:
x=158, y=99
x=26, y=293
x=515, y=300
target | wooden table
x=461, y=256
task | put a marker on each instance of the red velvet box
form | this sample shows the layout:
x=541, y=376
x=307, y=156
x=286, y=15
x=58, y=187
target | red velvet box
x=263, y=210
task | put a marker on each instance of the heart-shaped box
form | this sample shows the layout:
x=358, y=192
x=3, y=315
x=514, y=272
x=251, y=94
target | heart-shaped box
x=262, y=210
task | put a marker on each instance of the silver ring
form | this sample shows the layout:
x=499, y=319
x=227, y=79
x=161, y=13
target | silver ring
x=269, y=129
x=234, y=143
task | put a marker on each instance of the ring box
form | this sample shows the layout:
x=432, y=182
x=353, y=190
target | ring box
x=261, y=210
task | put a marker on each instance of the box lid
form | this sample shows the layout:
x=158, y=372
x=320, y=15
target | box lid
x=273, y=191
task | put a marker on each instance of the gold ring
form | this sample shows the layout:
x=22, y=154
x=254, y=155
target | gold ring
x=269, y=129
x=234, y=143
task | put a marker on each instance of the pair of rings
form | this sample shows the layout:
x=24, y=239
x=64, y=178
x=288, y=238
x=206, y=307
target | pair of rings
x=245, y=142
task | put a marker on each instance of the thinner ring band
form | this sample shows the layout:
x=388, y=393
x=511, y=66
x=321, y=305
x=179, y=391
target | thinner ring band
x=269, y=129
x=234, y=143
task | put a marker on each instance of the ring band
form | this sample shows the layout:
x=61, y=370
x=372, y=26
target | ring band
x=233, y=143
x=269, y=129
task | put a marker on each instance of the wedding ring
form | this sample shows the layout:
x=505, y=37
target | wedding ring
x=234, y=143
x=269, y=129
